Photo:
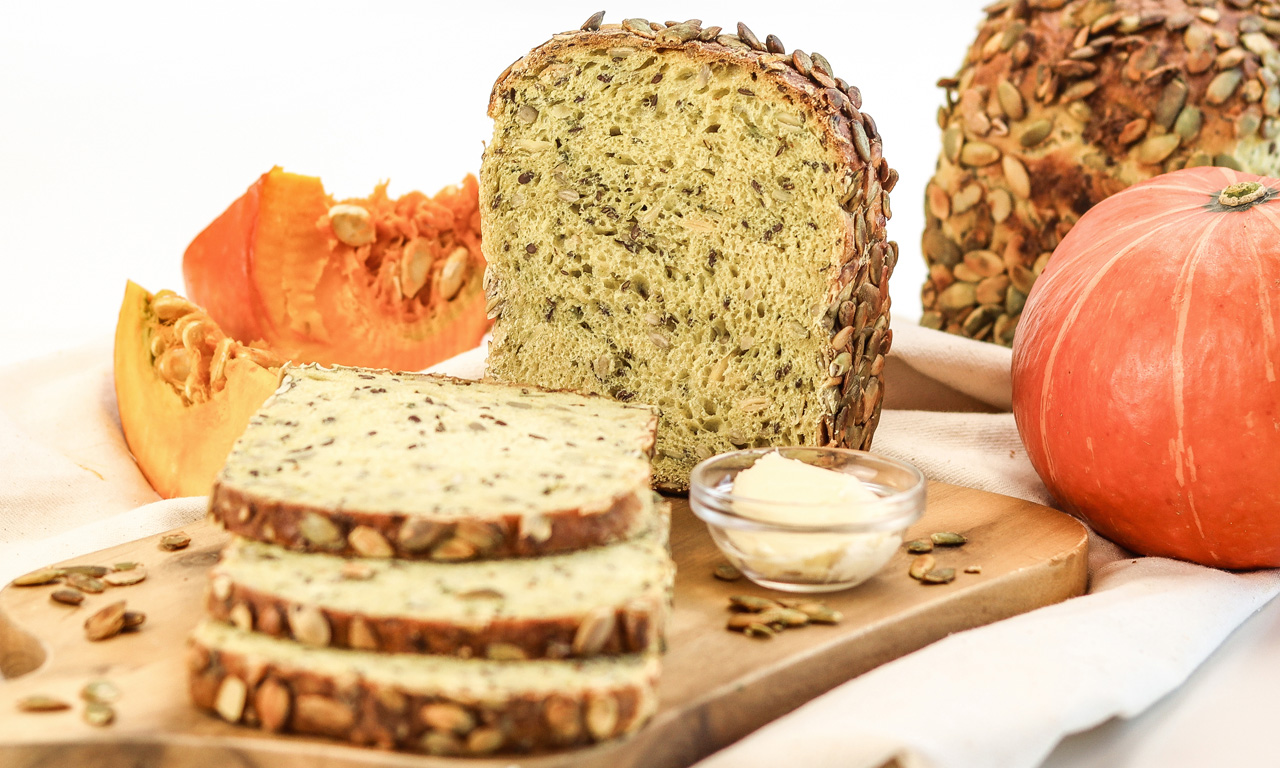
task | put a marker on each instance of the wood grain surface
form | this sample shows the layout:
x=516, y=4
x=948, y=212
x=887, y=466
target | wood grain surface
x=717, y=686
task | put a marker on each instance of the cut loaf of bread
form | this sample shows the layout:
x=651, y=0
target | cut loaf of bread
x=695, y=220
x=357, y=462
x=602, y=600
x=433, y=704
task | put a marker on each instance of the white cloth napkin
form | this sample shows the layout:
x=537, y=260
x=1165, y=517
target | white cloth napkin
x=996, y=696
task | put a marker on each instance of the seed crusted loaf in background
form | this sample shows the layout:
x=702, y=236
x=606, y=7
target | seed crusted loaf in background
x=1061, y=104
x=603, y=600
x=356, y=462
x=433, y=704
x=695, y=219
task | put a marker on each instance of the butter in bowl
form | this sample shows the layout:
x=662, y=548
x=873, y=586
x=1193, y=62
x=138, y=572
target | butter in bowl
x=807, y=519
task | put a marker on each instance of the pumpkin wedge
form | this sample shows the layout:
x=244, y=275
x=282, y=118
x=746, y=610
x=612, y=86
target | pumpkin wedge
x=376, y=281
x=185, y=389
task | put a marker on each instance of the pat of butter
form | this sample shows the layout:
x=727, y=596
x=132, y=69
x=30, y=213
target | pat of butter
x=831, y=497
x=775, y=485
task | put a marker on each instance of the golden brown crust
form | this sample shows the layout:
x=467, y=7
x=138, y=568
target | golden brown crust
x=633, y=628
x=1061, y=104
x=415, y=538
x=355, y=710
x=850, y=387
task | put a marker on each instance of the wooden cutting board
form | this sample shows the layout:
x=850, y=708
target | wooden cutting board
x=717, y=686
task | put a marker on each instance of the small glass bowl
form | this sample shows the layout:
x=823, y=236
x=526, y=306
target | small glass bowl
x=799, y=557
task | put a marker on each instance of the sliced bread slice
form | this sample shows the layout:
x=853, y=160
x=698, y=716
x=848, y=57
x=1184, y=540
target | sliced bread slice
x=433, y=704
x=357, y=462
x=602, y=600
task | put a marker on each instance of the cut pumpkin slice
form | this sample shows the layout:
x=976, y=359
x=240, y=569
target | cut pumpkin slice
x=185, y=389
x=377, y=282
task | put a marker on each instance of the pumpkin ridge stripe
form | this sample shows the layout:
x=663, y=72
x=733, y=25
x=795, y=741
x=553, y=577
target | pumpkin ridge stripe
x=1182, y=293
x=1268, y=322
x=1047, y=383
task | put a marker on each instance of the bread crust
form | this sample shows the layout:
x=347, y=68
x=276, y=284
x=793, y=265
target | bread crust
x=857, y=294
x=358, y=711
x=412, y=537
x=1098, y=93
x=634, y=627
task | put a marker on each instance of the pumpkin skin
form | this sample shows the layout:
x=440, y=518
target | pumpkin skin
x=271, y=268
x=1145, y=370
x=179, y=444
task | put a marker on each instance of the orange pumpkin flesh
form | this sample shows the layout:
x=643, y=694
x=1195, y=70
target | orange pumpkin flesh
x=185, y=390
x=274, y=267
x=1145, y=369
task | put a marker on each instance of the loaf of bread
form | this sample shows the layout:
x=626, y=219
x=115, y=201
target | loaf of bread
x=356, y=462
x=433, y=704
x=1060, y=104
x=604, y=600
x=694, y=219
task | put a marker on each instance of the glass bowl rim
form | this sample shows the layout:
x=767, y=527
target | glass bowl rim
x=900, y=508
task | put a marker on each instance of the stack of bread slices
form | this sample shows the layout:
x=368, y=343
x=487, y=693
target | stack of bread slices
x=437, y=565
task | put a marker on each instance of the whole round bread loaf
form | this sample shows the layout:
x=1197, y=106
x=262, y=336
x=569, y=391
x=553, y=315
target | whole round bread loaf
x=1060, y=104
x=679, y=215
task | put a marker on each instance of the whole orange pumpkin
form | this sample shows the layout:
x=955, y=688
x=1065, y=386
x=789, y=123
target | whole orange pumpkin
x=1145, y=368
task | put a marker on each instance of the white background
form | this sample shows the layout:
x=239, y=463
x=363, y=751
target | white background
x=126, y=128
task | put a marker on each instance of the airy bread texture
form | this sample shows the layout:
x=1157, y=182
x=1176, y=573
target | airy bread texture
x=433, y=704
x=357, y=462
x=1061, y=104
x=694, y=220
x=603, y=600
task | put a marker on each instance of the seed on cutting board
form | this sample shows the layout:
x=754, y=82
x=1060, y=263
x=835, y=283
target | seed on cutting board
x=125, y=578
x=751, y=603
x=175, y=541
x=726, y=572
x=973, y=569
x=37, y=578
x=939, y=576
x=99, y=714
x=762, y=631
x=133, y=620
x=921, y=565
x=106, y=623
x=100, y=691
x=819, y=613
x=86, y=583
x=67, y=596
x=786, y=617
x=40, y=703
x=88, y=570
x=947, y=538
x=127, y=565
x=919, y=546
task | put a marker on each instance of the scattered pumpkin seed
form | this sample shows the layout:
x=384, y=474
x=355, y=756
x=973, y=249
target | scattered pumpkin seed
x=761, y=631
x=133, y=620
x=919, y=546
x=727, y=572
x=820, y=613
x=37, y=578
x=99, y=715
x=100, y=691
x=939, y=576
x=67, y=596
x=86, y=583
x=125, y=578
x=96, y=571
x=973, y=569
x=39, y=702
x=106, y=623
x=783, y=617
x=128, y=565
x=175, y=541
x=947, y=539
x=751, y=603
x=920, y=566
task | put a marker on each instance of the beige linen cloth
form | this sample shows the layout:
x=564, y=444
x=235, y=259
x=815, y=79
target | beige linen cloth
x=1011, y=690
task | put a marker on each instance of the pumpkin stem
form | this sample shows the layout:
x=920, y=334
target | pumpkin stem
x=1241, y=193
